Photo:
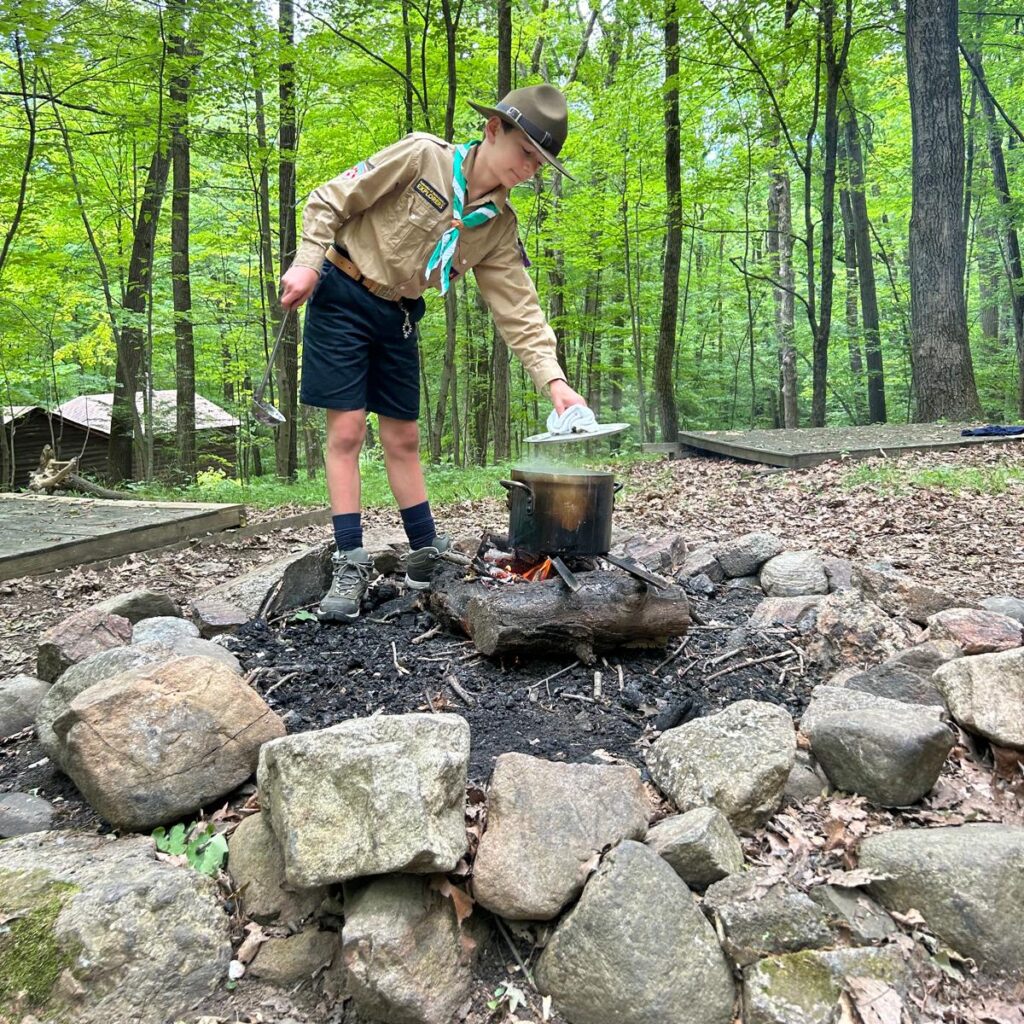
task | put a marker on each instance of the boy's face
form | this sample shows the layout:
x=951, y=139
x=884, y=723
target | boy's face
x=512, y=156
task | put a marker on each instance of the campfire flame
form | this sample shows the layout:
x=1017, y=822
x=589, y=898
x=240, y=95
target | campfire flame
x=539, y=572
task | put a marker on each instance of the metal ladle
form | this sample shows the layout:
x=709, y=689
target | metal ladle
x=262, y=410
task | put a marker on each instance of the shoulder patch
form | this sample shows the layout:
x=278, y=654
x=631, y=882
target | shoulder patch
x=431, y=195
x=360, y=168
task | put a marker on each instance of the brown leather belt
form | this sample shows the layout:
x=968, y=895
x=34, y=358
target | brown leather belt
x=346, y=266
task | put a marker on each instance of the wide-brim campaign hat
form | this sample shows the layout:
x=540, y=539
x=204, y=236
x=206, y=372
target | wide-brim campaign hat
x=540, y=113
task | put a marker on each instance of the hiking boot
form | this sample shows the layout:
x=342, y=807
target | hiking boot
x=419, y=564
x=352, y=572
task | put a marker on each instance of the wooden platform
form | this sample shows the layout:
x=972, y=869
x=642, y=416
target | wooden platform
x=39, y=532
x=810, y=446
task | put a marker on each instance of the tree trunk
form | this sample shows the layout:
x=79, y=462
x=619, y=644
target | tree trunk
x=865, y=270
x=780, y=240
x=943, y=376
x=835, y=64
x=286, y=451
x=181, y=286
x=1011, y=242
x=125, y=426
x=852, y=305
x=500, y=377
x=664, y=388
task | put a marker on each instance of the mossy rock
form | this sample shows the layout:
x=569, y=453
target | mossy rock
x=31, y=957
x=805, y=987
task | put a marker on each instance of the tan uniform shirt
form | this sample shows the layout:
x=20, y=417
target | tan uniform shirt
x=389, y=213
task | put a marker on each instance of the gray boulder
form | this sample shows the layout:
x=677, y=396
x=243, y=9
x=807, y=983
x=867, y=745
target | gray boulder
x=702, y=562
x=292, y=581
x=737, y=760
x=406, y=958
x=76, y=637
x=636, y=950
x=256, y=864
x=806, y=780
x=907, y=675
x=295, y=958
x=839, y=572
x=807, y=987
x=157, y=743
x=855, y=913
x=368, y=796
x=758, y=914
x=20, y=697
x=892, y=758
x=545, y=823
x=138, y=604
x=164, y=629
x=899, y=594
x=799, y=612
x=658, y=553
x=22, y=813
x=967, y=881
x=794, y=574
x=106, y=931
x=1011, y=606
x=744, y=556
x=985, y=694
x=214, y=614
x=828, y=700
x=700, y=846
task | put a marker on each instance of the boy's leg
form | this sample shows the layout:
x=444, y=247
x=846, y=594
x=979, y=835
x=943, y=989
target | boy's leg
x=346, y=431
x=400, y=440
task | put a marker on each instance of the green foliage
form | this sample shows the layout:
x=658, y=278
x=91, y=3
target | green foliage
x=108, y=66
x=202, y=845
x=899, y=479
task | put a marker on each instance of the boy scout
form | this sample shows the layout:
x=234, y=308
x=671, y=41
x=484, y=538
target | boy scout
x=412, y=217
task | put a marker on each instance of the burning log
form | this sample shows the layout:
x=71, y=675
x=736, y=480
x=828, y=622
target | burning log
x=607, y=612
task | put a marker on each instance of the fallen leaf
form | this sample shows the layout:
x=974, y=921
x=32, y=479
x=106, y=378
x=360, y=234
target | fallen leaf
x=874, y=1001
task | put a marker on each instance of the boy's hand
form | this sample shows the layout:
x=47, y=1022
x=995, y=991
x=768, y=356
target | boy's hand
x=297, y=285
x=562, y=396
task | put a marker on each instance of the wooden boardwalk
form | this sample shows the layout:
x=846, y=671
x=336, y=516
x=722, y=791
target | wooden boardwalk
x=810, y=446
x=39, y=532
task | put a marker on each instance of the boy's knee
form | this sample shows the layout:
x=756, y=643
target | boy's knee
x=346, y=436
x=401, y=438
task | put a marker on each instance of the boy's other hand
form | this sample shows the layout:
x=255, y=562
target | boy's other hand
x=297, y=285
x=562, y=396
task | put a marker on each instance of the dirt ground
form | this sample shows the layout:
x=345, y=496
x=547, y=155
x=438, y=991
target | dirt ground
x=316, y=675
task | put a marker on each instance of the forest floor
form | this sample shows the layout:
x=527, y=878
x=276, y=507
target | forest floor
x=951, y=519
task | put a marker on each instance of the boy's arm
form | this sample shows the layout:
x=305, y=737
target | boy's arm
x=352, y=192
x=509, y=293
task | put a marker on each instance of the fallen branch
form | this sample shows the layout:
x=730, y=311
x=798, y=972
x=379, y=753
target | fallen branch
x=464, y=695
x=746, y=664
x=672, y=657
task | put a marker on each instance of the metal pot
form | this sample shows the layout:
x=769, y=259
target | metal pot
x=563, y=513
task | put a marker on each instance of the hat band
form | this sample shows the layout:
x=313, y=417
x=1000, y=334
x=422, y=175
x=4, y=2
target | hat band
x=541, y=137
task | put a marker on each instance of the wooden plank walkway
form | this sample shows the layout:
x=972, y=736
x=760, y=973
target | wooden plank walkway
x=40, y=532
x=810, y=446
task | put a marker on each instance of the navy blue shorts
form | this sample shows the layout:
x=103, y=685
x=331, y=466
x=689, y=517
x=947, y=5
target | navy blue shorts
x=353, y=352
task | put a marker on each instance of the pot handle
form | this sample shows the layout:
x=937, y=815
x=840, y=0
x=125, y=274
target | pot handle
x=616, y=487
x=510, y=484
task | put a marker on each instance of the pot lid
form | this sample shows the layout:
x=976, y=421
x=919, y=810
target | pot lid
x=577, y=423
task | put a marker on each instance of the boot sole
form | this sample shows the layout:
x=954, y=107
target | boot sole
x=336, y=616
x=416, y=584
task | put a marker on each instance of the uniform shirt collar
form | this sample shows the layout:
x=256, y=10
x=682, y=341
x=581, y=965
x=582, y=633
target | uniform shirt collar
x=497, y=195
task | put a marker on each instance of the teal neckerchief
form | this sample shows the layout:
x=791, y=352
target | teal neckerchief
x=444, y=251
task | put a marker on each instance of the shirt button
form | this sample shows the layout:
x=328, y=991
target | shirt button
x=463, y=262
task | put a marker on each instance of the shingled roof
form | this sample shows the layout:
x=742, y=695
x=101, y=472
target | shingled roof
x=93, y=412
